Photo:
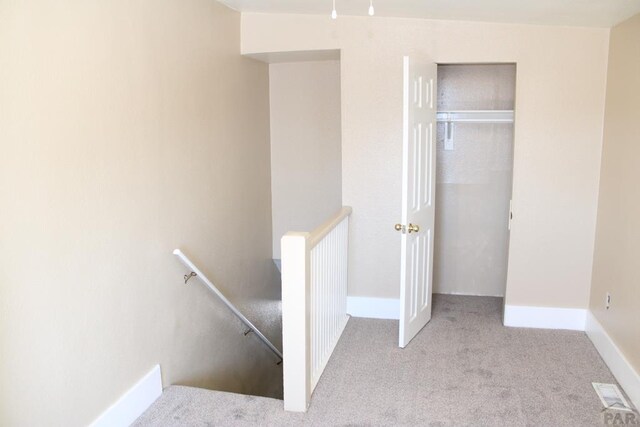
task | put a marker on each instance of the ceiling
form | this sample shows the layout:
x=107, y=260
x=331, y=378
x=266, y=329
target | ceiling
x=585, y=13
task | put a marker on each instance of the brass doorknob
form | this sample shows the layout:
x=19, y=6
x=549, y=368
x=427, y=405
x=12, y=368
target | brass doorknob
x=398, y=227
x=413, y=227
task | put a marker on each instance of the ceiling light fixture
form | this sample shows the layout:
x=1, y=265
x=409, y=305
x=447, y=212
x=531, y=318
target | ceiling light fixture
x=334, y=14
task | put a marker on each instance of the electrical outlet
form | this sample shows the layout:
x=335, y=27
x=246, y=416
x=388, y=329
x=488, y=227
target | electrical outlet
x=608, y=301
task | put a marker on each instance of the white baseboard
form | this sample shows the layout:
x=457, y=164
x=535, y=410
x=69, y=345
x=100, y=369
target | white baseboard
x=374, y=308
x=619, y=366
x=515, y=316
x=545, y=317
x=133, y=403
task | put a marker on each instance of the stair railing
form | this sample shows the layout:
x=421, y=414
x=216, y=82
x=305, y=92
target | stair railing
x=314, y=304
x=195, y=272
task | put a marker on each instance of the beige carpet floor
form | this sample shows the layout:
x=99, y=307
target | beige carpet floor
x=463, y=369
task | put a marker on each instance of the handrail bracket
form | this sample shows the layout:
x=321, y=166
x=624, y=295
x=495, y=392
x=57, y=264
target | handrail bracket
x=189, y=276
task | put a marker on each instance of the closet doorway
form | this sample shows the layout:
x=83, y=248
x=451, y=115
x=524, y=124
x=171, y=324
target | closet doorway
x=474, y=176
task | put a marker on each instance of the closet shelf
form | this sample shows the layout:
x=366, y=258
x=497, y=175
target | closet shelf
x=476, y=116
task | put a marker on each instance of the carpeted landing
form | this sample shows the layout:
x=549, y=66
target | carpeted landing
x=463, y=369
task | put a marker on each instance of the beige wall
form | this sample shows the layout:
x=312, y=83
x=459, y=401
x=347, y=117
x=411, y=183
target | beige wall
x=306, y=185
x=128, y=129
x=617, y=250
x=558, y=136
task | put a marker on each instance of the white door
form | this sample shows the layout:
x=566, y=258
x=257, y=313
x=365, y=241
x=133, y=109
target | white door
x=418, y=196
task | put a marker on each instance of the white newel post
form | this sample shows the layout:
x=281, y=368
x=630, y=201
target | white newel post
x=295, y=321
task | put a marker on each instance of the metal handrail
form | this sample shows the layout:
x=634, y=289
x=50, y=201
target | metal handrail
x=252, y=328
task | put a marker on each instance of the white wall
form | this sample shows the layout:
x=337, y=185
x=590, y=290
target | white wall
x=558, y=132
x=306, y=168
x=128, y=129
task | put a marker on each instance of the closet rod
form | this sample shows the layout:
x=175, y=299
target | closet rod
x=476, y=116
